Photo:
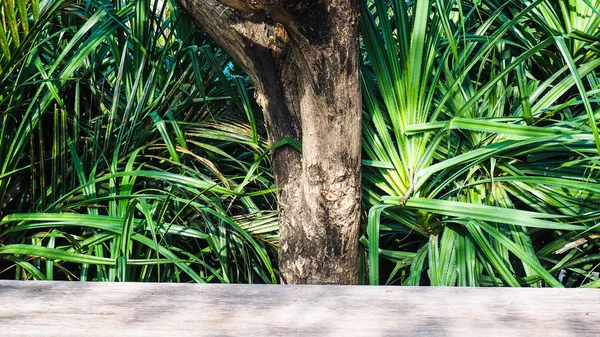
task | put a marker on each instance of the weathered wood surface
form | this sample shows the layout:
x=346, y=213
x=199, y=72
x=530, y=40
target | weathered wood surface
x=138, y=309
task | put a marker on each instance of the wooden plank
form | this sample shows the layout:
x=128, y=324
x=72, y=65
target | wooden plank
x=141, y=309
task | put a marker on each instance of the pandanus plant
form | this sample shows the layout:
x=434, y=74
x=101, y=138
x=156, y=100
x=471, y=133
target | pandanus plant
x=481, y=142
x=128, y=149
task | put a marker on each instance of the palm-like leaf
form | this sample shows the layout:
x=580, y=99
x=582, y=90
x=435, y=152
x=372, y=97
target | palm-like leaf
x=125, y=154
x=478, y=173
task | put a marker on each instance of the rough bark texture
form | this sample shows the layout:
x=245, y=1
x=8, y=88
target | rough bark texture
x=303, y=58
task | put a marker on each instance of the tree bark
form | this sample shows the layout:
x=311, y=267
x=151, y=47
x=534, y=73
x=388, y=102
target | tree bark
x=303, y=57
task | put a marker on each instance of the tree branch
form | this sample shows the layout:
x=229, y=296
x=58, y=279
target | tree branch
x=233, y=29
x=259, y=46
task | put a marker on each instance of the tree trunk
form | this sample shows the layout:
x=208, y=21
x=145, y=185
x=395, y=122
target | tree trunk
x=303, y=57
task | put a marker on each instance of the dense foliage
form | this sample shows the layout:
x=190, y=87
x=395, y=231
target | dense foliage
x=130, y=148
x=481, y=124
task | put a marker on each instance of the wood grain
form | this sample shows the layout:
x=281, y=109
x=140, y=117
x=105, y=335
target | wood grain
x=143, y=309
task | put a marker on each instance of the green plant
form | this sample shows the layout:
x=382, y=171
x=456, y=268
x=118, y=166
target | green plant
x=482, y=144
x=129, y=151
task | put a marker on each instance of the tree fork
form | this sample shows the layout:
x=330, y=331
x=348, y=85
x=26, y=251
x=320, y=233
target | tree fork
x=303, y=57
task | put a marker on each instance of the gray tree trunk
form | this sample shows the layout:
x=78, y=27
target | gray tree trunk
x=303, y=57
